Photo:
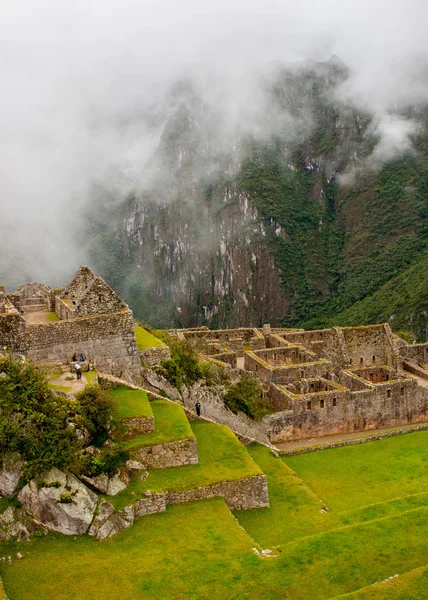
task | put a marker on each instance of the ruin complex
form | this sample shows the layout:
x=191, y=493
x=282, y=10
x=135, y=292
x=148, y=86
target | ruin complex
x=329, y=381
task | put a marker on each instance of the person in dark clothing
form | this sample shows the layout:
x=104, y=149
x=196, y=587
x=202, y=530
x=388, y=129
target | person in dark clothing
x=74, y=357
x=198, y=408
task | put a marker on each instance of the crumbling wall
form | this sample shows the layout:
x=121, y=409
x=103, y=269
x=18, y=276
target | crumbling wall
x=369, y=346
x=417, y=352
x=79, y=285
x=99, y=299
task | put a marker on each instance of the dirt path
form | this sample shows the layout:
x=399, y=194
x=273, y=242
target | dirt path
x=329, y=439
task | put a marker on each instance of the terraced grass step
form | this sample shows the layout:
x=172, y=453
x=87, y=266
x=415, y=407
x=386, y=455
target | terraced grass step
x=172, y=442
x=412, y=585
x=133, y=410
x=222, y=458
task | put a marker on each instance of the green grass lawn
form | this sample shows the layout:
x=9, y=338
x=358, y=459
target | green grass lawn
x=130, y=403
x=145, y=339
x=171, y=424
x=221, y=458
x=374, y=530
x=199, y=551
x=381, y=471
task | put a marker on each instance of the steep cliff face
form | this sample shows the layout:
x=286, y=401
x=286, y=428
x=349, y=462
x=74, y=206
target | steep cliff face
x=295, y=220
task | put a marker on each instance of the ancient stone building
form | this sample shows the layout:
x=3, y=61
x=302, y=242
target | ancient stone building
x=49, y=325
x=327, y=381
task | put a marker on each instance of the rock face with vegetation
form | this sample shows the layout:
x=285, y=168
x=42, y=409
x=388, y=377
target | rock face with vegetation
x=313, y=223
x=60, y=502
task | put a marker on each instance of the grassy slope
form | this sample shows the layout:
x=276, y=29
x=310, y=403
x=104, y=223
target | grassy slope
x=130, y=403
x=199, y=551
x=221, y=458
x=145, y=339
x=384, y=471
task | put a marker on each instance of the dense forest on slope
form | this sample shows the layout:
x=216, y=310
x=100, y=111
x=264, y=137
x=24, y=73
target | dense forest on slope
x=304, y=225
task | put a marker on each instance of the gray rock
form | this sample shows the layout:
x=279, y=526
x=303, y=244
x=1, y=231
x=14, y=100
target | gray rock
x=116, y=523
x=13, y=467
x=134, y=465
x=105, y=510
x=60, y=502
x=105, y=484
x=159, y=383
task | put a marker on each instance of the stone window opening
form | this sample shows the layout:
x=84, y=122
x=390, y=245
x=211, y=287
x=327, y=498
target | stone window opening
x=361, y=361
x=388, y=393
x=350, y=361
x=374, y=358
x=402, y=391
x=308, y=405
x=334, y=401
x=321, y=403
x=302, y=373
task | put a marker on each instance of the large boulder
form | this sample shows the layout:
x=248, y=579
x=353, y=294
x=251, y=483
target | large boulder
x=60, y=502
x=11, y=473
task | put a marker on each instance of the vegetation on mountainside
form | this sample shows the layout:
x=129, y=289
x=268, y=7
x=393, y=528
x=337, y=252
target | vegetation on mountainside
x=41, y=426
x=208, y=554
x=341, y=240
x=183, y=366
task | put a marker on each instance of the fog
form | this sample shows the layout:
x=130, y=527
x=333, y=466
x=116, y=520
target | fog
x=85, y=87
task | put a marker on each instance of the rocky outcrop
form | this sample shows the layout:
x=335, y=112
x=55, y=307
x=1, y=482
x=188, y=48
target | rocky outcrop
x=13, y=467
x=105, y=484
x=158, y=383
x=15, y=523
x=60, y=502
x=108, y=523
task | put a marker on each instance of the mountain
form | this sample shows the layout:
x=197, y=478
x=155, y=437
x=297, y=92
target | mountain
x=303, y=213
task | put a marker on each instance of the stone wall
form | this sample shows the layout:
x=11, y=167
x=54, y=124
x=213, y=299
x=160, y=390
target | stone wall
x=12, y=332
x=64, y=309
x=251, y=492
x=416, y=352
x=138, y=425
x=108, y=339
x=369, y=346
x=171, y=454
x=388, y=404
x=155, y=355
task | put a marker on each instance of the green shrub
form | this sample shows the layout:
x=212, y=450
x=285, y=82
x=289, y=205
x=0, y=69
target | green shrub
x=97, y=405
x=246, y=396
x=33, y=421
x=108, y=464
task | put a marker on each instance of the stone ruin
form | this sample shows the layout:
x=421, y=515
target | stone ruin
x=329, y=381
x=88, y=317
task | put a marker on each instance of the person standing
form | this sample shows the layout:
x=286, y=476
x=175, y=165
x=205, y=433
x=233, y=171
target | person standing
x=198, y=408
x=78, y=370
